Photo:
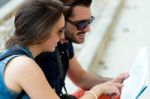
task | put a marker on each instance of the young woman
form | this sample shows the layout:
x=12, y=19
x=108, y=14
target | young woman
x=38, y=27
x=39, y=24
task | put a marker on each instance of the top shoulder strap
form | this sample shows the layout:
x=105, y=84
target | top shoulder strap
x=14, y=51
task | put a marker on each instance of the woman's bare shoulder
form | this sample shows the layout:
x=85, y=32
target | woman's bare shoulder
x=23, y=66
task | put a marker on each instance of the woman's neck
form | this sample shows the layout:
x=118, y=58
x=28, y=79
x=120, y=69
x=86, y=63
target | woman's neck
x=35, y=50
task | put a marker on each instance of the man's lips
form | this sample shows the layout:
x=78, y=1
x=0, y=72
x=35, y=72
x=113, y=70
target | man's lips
x=81, y=35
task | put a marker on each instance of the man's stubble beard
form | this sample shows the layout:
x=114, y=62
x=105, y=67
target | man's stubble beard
x=70, y=36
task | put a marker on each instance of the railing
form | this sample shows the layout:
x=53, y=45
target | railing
x=9, y=9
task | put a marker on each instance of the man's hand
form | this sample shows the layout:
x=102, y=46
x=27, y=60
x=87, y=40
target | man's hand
x=121, y=77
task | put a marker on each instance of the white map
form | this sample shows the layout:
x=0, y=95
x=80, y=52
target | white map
x=137, y=82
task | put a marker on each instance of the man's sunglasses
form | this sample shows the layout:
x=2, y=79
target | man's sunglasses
x=82, y=24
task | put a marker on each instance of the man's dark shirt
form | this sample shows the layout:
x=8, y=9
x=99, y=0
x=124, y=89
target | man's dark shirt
x=48, y=62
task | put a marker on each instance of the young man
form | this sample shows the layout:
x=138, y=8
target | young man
x=78, y=20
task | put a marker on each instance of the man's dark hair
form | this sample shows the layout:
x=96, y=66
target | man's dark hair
x=72, y=3
x=86, y=3
x=34, y=22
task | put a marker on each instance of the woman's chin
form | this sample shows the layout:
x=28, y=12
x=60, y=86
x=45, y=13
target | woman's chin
x=52, y=50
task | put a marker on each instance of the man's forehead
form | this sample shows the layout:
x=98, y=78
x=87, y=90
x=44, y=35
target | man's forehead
x=81, y=13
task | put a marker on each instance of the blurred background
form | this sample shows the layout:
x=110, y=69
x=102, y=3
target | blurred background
x=120, y=29
x=3, y=2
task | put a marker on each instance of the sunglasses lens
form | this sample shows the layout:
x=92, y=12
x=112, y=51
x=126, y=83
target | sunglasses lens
x=83, y=24
x=61, y=31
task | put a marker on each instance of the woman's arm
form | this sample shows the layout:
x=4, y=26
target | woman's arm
x=28, y=76
x=109, y=88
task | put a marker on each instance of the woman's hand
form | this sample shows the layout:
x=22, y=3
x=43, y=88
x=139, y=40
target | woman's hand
x=109, y=88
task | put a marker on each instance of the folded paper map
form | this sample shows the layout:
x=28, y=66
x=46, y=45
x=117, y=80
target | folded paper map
x=137, y=82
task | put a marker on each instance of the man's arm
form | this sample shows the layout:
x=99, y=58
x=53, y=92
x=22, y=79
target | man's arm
x=81, y=77
x=86, y=80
